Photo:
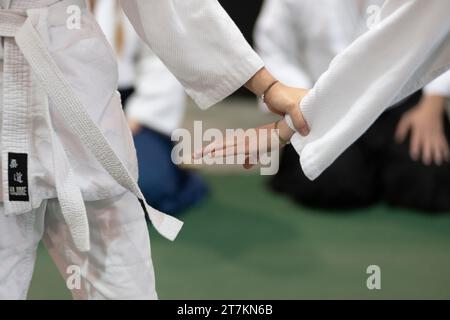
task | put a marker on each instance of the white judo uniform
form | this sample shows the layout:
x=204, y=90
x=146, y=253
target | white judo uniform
x=159, y=100
x=68, y=162
x=407, y=49
x=298, y=39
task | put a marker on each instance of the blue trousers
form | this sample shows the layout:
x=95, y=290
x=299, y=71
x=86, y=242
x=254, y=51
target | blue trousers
x=166, y=187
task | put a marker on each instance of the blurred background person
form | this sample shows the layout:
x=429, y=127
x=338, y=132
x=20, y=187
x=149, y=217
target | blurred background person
x=402, y=159
x=154, y=103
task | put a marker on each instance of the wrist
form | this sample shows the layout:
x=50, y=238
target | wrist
x=261, y=82
x=433, y=105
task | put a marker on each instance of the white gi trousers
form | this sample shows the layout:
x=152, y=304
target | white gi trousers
x=118, y=265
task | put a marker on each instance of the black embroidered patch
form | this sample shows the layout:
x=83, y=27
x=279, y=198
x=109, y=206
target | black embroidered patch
x=18, y=177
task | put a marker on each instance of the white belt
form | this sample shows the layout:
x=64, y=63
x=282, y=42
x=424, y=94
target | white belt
x=24, y=47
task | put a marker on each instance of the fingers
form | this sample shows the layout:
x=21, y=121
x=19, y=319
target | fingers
x=429, y=149
x=445, y=150
x=229, y=150
x=248, y=146
x=440, y=151
x=402, y=130
x=299, y=121
x=208, y=150
x=248, y=164
x=427, y=152
x=415, y=146
x=202, y=152
x=235, y=145
x=217, y=150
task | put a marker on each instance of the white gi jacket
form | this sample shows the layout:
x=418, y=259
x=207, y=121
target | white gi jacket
x=159, y=100
x=440, y=86
x=408, y=48
x=64, y=134
x=109, y=15
x=297, y=39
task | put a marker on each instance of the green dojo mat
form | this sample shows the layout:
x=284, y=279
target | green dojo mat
x=246, y=243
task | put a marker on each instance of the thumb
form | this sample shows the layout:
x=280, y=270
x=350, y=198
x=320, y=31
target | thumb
x=247, y=164
x=273, y=110
x=299, y=121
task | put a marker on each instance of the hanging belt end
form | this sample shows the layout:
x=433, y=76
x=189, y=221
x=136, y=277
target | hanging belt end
x=82, y=240
x=83, y=247
x=166, y=225
x=170, y=227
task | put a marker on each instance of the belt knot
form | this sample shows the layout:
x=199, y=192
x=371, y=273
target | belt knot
x=11, y=21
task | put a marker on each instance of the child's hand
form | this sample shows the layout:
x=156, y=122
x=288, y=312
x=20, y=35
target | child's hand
x=249, y=144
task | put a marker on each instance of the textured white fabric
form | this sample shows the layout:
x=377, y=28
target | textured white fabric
x=72, y=111
x=159, y=99
x=198, y=42
x=77, y=70
x=16, y=111
x=118, y=266
x=89, y=66
x=109, y=15
x=83, y=149
x=27, y=51
x=69, y=194
x=392, y=60
x=25, y=4
x=92, y=75
x=297, y=39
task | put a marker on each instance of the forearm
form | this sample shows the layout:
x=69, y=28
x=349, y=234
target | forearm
x=198, y=42
x=260, y=82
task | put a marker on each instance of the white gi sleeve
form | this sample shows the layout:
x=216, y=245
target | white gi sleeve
x=198, y=42
x=278, y=40
x=408, y=48
x=159, y=99
x=439, y=86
